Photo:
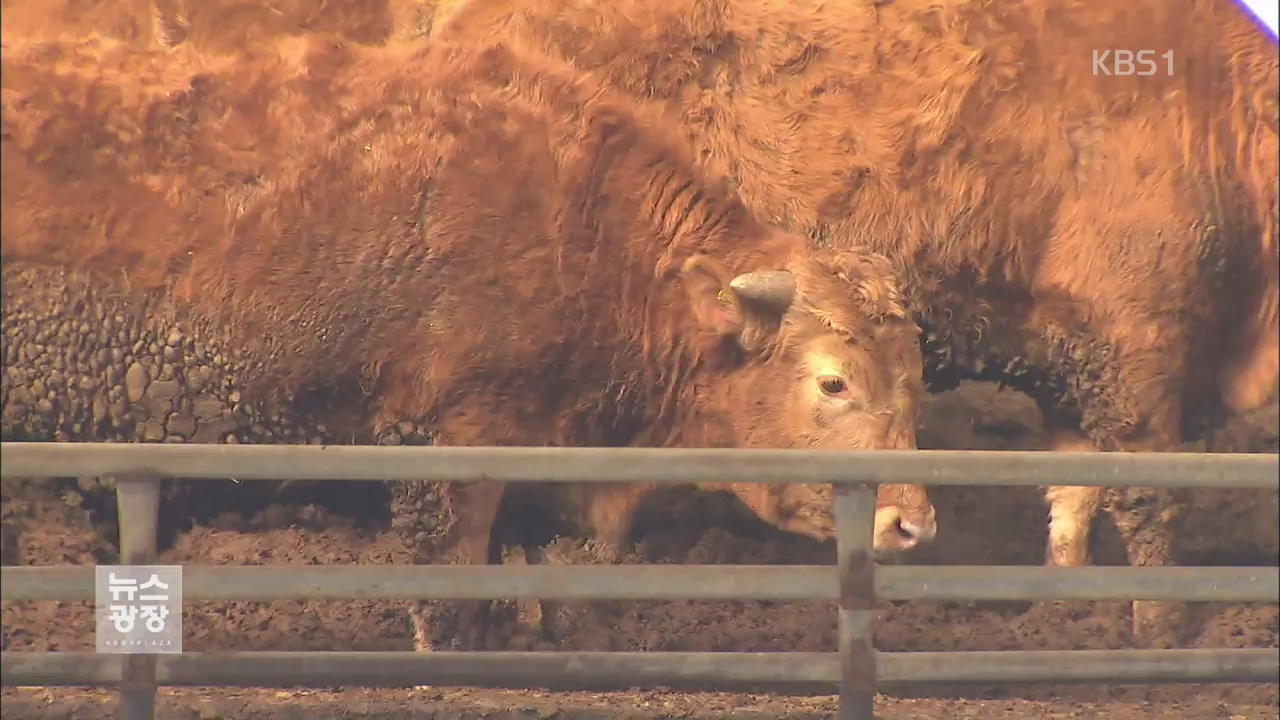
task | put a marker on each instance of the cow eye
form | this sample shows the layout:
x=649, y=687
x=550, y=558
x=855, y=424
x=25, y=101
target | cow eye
x=832, y=384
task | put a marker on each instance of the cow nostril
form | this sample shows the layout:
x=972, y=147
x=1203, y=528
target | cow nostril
x=906, y=530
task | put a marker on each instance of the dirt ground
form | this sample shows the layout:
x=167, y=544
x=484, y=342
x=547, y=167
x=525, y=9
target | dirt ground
x=362, y=704
x=261, y=523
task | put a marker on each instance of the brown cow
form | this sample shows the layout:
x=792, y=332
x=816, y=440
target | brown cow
x=492, y=244
x=1105, y=242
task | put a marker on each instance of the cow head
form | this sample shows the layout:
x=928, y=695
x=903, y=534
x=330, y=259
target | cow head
x=824, y=356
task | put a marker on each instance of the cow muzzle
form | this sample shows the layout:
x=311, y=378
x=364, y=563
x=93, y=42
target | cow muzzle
x=898, y=530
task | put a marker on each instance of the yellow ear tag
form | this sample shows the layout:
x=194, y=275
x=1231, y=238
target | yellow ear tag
x=723, y=297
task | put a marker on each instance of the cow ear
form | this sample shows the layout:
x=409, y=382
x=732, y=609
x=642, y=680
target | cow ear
x=748, y=307
x=715, y=306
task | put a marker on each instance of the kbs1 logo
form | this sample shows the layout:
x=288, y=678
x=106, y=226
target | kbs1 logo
x=1131, y=62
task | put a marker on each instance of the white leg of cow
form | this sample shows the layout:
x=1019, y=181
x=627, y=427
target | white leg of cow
x=421, y=626
x=1071, y=508
x=1071, y=513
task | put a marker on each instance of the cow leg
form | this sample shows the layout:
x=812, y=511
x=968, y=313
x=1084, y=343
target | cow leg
x=419, y=515
x=451, y=522
x=1071, y=508
x=1148, y=520
x=1129, y=337
x=468, y=511
x=610, y=514
x=609, y=511
x=540, y=613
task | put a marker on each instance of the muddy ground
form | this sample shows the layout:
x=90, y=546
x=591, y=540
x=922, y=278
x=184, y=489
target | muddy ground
x=261, y=523
x=360, y=704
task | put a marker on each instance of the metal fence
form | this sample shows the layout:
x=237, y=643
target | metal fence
x=857, y=669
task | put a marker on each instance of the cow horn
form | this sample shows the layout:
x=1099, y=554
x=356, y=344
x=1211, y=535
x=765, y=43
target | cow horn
x=774, y=288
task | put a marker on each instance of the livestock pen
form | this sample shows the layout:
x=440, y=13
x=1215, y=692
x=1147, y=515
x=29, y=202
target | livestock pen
x=856, y=669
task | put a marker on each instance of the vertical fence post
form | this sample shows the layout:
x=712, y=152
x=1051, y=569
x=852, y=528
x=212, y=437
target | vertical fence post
x=855, y=510
x=138, y=513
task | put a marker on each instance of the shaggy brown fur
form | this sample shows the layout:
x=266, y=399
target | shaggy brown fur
x=1107, y=244
x=492, y=244
x=231, y=26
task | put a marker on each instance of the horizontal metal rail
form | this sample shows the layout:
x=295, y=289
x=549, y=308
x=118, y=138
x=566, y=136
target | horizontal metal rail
x=856, y=670
x=776, y=583
x=649, y=465
x=612, y=670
